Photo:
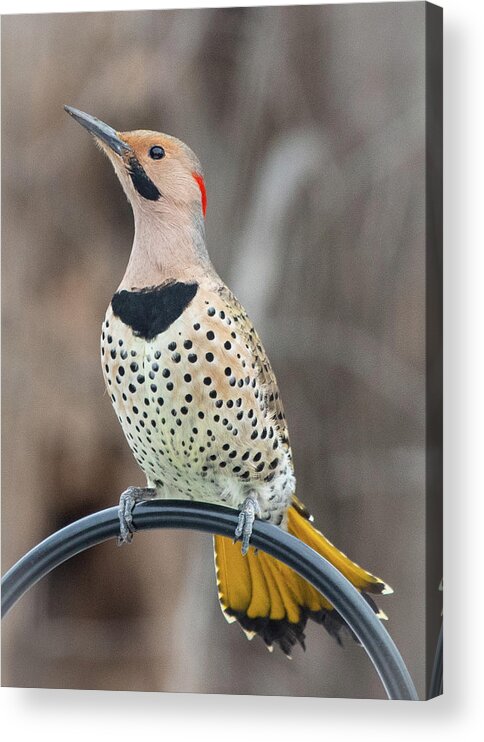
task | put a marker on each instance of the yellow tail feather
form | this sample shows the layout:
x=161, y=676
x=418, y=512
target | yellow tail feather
x=268, y=598
x=299, y=524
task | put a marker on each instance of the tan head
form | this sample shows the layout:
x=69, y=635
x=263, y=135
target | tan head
x=152, y=167
x=163, y=180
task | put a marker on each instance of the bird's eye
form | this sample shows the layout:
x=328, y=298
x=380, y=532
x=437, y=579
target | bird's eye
x=157, y=153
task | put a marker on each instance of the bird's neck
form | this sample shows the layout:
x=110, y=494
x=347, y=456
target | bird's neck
x=166, y=246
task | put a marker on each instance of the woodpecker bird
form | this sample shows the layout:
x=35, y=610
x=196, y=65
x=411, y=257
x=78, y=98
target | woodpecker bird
x=196, y=395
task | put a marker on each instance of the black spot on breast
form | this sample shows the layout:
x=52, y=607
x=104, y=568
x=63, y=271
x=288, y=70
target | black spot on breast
x=151, y=311
x=143, y=184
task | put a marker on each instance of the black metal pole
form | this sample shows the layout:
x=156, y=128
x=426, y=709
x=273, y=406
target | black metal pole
x=96, y=528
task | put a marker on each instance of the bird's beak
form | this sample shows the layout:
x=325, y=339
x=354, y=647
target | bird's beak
x=100, y=130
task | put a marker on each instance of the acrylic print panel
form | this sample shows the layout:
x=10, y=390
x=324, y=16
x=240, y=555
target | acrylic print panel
x=318, y=130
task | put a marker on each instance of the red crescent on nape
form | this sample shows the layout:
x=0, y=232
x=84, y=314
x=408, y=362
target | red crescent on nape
x=203, y=191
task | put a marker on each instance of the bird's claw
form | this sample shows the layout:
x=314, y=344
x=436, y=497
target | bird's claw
x=247, y=515
x=127, y=501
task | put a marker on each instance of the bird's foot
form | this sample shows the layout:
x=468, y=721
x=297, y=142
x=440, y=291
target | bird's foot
x=127, y=501
x=247, y=515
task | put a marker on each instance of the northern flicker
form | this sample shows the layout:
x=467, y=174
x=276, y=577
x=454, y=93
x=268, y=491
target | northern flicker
x=196, y=396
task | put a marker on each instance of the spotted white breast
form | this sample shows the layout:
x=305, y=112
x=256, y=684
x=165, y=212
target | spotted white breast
x=199, y=406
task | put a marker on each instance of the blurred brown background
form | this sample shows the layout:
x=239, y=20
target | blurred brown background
x=309, y=122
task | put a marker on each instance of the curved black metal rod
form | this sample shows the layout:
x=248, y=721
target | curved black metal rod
x=437, y=679
x=96, y=528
